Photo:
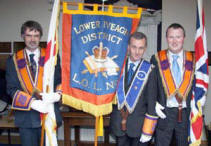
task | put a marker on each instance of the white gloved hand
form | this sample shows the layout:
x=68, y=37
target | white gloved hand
x=145, y=138
x=51, y=97
x=39, y=106
x=158, y=109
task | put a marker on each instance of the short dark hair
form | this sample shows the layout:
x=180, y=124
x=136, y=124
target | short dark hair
x=138, y=35
x=32, y=25
x=175, y=26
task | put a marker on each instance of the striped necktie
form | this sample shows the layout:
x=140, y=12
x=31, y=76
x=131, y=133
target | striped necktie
x=130, y=73
x=33, y=65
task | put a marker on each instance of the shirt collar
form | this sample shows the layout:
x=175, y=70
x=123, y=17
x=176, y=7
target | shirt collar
x=135, y=63
x=36, y=54
x=180, y=54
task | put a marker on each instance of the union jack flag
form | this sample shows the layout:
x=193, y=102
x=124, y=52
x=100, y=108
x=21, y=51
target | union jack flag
x=201, y=79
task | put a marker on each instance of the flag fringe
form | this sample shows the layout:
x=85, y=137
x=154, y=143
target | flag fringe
x=87, y=107
x=196, y=143
x=199, y=114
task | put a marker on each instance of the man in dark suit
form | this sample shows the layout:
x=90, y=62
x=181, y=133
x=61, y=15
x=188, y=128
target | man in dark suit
x=24, y=76
x=175, y=69
x=134, y=115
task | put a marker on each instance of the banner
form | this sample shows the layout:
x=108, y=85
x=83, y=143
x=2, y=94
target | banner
x=202, y=79
x=94, y=47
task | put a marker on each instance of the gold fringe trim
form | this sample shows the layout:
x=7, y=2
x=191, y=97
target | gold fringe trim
x=199, y=114
x=163, y=81
x=192, y=77
x=196, y=143
x=176, y=91
x=151, y=116
x=114, y=99
x=87, y=107
x=18, y=74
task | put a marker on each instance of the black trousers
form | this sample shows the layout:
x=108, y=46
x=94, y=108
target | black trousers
x=163, y=136
x=30, y=136
x=129, y=141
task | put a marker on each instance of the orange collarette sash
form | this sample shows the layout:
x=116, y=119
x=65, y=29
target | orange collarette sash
x=22, y=99
x=167, y=77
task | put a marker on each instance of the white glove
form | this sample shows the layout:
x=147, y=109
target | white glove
x=158, y=109
x=145, y=138
x=39, y=106
x=51, y=97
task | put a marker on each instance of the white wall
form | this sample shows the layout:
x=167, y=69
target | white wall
x=14, y=12
x=184, y=12
x=179, y=11
x=207, y=107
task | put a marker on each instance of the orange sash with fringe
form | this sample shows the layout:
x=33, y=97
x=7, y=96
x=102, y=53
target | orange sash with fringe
x=23, y=70
x=167, y=77
x=21, y=100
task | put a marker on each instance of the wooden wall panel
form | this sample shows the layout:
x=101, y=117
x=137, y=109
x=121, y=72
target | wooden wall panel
x=5, y=47
x=6, y=50
x=21, y=45
x=3, y=59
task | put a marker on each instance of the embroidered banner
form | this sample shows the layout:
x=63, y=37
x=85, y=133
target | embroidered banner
x=94, y=47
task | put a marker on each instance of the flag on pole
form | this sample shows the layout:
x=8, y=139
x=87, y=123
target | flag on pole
x=201, y=79
x=48, y=78
x=94, y=47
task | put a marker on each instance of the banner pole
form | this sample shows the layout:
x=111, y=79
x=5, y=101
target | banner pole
x=42, y=131
x=117, y=7
x=96, y=129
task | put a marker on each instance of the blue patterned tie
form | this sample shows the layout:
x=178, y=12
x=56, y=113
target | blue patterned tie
x=33, y=65
x=130, y=73
x=176, y=70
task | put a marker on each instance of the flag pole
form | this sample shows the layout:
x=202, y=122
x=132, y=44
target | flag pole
x=49, y=69
x=43, y=130
x=96, y=130
x=106, y=6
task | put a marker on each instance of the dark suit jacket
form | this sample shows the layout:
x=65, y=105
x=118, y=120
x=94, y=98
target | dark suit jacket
x=161, y=97
x=28, y=119
x=135, y=120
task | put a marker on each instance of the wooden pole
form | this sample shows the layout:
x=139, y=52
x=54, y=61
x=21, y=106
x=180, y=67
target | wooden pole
x=43, y=130
x=105, y=6
x=96, y=130
x=117, y=7
x=43, y=123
